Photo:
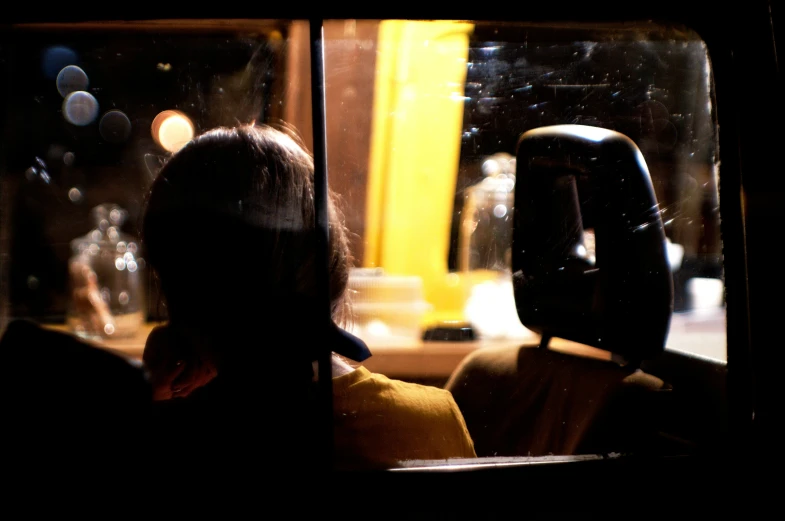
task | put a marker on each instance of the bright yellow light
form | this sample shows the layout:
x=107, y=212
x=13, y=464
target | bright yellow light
x=172, y=130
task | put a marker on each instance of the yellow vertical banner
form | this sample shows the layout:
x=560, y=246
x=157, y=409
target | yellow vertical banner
x=415, y=150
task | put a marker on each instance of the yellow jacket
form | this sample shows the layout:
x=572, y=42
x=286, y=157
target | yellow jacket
x=381, y=423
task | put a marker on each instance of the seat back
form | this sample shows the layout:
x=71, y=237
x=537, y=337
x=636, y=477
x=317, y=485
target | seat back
x=615, y=295
x=71, y=403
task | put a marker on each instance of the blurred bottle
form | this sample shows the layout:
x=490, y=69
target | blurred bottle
x=106, y=279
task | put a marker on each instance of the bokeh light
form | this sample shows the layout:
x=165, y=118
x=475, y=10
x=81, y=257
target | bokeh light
x=75, y=195
x=71, y=79
x=115, y=127
x=80, y=108
x=55, y=58
x=172, y=130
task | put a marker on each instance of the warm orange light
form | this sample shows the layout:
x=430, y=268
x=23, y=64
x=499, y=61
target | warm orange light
x=172, y=129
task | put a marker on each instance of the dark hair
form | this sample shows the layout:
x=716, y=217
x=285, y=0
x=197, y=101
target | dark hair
x=230, y=218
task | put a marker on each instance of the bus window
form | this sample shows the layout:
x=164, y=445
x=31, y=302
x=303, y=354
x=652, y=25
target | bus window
x=422, y=123
x=432, y=210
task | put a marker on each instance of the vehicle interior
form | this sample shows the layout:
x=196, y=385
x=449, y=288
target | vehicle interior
x=564, y=217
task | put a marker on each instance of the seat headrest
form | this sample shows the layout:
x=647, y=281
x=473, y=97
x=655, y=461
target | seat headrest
x=572, y=180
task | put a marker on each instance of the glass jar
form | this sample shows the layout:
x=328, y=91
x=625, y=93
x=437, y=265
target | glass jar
x=485, y=245
x=106, y=279
x=485, y=237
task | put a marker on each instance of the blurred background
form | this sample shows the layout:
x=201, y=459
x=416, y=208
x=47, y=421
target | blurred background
x=423, y=120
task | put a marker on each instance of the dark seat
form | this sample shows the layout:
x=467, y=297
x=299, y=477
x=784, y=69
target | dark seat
x=70, y=407
x=533, y=400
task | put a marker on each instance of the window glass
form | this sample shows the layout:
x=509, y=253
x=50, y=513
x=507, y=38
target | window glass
x=423, y=122
x=433, y=208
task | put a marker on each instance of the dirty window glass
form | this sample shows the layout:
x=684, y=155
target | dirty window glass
x=426, y=163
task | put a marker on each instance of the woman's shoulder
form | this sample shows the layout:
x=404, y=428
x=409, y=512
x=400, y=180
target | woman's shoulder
x=408, y=420
x=414, y=389
x=416, y=399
